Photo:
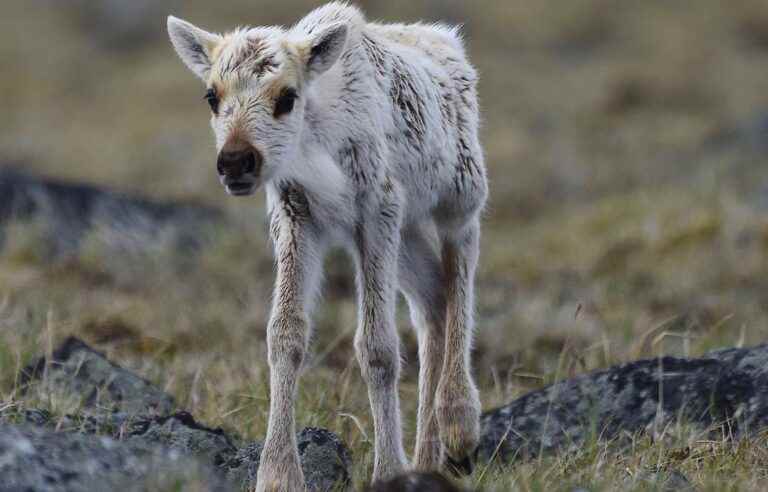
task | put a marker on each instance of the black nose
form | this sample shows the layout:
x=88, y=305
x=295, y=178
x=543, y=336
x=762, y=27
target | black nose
x=236, y=164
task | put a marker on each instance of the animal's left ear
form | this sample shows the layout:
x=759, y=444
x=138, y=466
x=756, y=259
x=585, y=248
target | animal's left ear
x=324, y=49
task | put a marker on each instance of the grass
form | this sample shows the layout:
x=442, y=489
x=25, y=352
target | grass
x=628, y=217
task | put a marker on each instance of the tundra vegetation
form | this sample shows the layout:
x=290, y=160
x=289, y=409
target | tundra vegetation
x=626, y=151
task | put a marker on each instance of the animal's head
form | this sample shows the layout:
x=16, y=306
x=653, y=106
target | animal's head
x=256, y=82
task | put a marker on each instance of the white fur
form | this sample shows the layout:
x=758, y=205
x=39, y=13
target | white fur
x=380, y=155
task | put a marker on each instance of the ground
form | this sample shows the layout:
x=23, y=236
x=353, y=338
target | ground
x=627, y=146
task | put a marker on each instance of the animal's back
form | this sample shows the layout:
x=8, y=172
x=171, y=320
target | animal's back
x=425, y=108
x=432, y=87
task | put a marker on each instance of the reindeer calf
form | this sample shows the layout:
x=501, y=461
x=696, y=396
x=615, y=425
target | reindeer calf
x=365, y=136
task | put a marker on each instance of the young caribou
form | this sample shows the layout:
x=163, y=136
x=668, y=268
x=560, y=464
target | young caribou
x=364, y=135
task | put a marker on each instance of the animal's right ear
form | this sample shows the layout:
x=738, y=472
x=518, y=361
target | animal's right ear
x=194, y=45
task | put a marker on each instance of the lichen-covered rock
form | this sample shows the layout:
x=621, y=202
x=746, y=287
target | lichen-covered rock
x=76, y=370
x=729, y=385
x=243, y=468
x=745, y=386
x=24, y=416
x=41, y=460
x=123, y=406
x=325, y=461
x=69, y=212
x=182, y=433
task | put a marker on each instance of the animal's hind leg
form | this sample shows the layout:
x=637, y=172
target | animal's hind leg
x=458, y=402
x=376, y=340
x=421, y=280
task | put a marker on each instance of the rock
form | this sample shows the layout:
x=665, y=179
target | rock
x=745, y=387
x=243, y=468
x=123, y=406
x=39, y=459
x=69, y=212
x=729, y=385
x=75, y=369
x=415, y=482
x=32, y=416
x=325, y=461
x=182, y=433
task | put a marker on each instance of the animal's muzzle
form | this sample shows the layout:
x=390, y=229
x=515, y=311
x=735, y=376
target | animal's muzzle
x=237, y=164
x=239, y=168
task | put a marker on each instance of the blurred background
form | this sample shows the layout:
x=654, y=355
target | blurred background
x=627, y=146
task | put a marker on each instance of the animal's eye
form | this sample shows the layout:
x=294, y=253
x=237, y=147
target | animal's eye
x=213, y=100
x=284, y=104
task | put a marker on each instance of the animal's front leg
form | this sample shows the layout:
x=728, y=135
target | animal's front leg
x=298, y=266
x=376, y=340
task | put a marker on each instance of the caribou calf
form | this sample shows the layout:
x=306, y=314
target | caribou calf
x=365, y=136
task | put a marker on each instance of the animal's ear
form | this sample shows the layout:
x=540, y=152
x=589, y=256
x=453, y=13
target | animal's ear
x=193, y=45
x=324, y=49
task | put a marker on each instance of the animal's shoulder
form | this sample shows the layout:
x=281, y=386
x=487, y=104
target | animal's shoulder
x=438, y=41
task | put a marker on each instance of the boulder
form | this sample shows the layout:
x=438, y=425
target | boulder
x=182, y=433
x=132, y=414
x=325, y=461
x=67, y=213
x=76, y=370
x=724, y=387
x=40, y=459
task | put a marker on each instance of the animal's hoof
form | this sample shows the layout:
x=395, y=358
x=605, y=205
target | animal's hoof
x=462, y=467
x=459, y=433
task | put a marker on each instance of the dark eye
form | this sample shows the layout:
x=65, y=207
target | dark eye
x=213, y=100
x=284, y=104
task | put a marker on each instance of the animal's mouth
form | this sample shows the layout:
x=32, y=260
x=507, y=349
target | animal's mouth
x=240, y=189
x=239, y=169
x=240, y=186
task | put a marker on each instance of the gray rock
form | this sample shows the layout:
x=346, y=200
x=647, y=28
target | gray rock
x=325, y=461
x=725, y=386
x=41, y=460
x=182, y=433
x=76, y=369
x=243, y=468
x=67, y=213
x=745, y=387
x=122, y=405
x=24, y=416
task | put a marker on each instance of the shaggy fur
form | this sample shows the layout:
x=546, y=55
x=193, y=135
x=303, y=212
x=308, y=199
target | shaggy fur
x=379, y=154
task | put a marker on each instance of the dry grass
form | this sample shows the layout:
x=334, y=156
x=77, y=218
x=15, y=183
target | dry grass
x=629, y=216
